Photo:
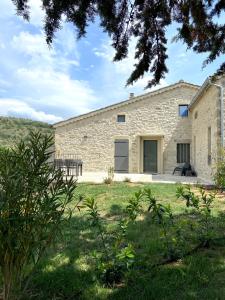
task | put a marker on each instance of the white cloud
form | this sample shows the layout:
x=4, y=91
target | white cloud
x=36, y=12
x=45, y=80
x=115, y=74
x=56, y=89
x=12, y=107
x=34, y=46
x=7, y=9
x=45, y=83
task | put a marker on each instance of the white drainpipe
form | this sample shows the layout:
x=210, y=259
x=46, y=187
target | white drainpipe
x=221, y=112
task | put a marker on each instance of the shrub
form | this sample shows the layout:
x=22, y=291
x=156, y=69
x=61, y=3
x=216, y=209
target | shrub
x=117, y=255
x=163, y=215
x=202, y=203
x=219, y=176
x=111, y=173
x=109, y=179
x=127, y=179
x=33, y=199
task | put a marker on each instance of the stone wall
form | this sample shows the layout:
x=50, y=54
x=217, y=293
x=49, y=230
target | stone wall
x=205, y=114
x=156, y=114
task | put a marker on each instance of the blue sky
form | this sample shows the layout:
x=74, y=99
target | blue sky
x=73, y=77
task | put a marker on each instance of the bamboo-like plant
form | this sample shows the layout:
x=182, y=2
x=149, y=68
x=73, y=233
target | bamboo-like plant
x=33, y=199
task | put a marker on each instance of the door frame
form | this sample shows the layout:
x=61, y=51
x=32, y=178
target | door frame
x=159, y=140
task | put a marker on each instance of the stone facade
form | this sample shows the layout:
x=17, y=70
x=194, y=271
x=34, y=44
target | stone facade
x=154, y=115
x=206, y=131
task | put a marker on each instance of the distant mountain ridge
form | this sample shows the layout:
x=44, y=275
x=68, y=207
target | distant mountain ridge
x=13, y=129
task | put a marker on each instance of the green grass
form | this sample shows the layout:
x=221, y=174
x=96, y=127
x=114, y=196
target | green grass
x=13, y=130
x=67, y=270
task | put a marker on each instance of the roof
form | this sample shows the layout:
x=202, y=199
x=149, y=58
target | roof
x=205, y=85
x=180, y=83
x=210, y=81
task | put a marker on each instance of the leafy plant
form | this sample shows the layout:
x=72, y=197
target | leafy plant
x=202, y=203
x=219, y=176
x=163, y=215
x=117, y=255
x=33, y=199
x=107, y=180
x=110, y=177
x=111, y=173
x=134, y=206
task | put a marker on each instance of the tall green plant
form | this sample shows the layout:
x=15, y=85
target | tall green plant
x=219, y=176
x=33, y=199
x=163, y=215
x=117, y=254
x=202, y=203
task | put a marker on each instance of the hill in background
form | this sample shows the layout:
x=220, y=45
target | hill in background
x=13, y=129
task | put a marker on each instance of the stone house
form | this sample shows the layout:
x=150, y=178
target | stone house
x=150, y=133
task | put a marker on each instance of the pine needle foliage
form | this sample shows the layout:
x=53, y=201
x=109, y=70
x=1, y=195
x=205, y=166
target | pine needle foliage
x=200, y=25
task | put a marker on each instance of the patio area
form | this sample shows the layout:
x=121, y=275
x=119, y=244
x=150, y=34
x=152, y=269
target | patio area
x=98, y=177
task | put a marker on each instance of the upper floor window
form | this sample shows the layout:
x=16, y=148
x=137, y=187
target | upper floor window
x=183, y=110
x=120, y=118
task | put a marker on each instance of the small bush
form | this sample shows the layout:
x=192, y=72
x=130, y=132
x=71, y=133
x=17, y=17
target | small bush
x=111, y=173
x=117, y=255
x=110, y=177
x=202, y=203
x=107, y=180
x=219, y=176
x=127, y=179
x=33, y=199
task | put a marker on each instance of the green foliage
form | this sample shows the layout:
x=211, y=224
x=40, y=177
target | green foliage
x=33, y=199
x=188, y=196
x=109, y=179
x=111, y=173
x=219, y=176
x=134, y=206
x=66, y=272
x=202, y=203
x=172, y=235
x=146, y=23
x=117, y=255
x=12, y=130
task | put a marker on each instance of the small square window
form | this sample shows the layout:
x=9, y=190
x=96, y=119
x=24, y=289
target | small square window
x=121, y=118
x=183, y=110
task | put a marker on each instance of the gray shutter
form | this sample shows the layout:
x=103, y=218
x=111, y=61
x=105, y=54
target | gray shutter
x=121, y=156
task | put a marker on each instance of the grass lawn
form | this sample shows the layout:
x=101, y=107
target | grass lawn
x=67, y=271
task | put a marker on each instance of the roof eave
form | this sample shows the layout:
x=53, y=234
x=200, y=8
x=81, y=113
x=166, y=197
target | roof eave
x=205, y=85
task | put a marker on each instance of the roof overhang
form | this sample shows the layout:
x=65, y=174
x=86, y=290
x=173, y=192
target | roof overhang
x=200, y=92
